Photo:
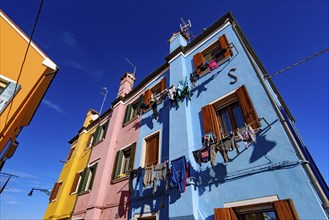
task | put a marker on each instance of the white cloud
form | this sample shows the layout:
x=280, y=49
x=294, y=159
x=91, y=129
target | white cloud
x=69, y=39
x=52, y=106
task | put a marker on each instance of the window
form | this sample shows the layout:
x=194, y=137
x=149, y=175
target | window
x=230, y=113
x=280, y=209
x=132, y=110
x=154, y=91
x=124, y=162
x=69, y=156
x=87, y=178
x=76, y=183
x=219, y=52
x=55, y=191
x=7, y=92
x=99, y=134
x=152, y=150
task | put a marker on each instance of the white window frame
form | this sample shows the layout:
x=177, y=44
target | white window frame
x=143, y=153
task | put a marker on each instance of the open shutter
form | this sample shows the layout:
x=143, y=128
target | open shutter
x=75, y=183
x=247, y=108
x=285, y=210
x=210, y=121
x=70, y=154
x=117, y=164
x=98, y=133
x=224, y=44
x=93, y=174
x=105, y=126
x=224, y=214
x=198, y=60
x=147, y=96
x=163, y=84
x=88, y=141
x=132, y=156
x=54, y=191
x=84, y=178
x=128, y=113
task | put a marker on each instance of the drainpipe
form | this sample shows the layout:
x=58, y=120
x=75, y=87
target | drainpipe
x=307, y=168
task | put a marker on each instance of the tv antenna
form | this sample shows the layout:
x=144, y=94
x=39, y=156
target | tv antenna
x=185, y=28
x=132, y=65
x=103, y=92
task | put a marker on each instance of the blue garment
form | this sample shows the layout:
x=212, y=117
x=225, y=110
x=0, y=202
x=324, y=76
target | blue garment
x=178, y=173
x=139, y=173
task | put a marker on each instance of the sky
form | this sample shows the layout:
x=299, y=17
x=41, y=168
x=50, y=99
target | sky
x=89, y=41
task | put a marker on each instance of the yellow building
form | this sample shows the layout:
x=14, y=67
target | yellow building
x=76, y=177
x=22, y=86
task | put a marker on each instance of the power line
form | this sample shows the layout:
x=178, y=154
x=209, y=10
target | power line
x=300, y=62
x=24, y=59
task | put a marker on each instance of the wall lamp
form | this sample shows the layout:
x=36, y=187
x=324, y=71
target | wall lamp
x=47, y=191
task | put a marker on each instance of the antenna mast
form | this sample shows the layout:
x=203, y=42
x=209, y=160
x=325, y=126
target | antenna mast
x=185, y=28
x=131, y=65
x=103, y=92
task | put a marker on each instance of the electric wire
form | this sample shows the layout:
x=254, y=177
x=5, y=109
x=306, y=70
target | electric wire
x=25, y=56
x=295, y=64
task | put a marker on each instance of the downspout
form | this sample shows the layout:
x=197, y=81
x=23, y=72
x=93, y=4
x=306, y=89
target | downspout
x=307, y=168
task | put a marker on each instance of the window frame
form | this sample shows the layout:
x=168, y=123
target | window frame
x=87, y=179
x=118, y=162
x=76, y=183
x=71, y=152
x=8, y=92
x=55, y=191
x=144, y=146
x=98, y=135
x=132, y=110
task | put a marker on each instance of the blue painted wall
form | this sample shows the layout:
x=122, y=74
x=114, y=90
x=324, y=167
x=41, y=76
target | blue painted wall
x=268, y=167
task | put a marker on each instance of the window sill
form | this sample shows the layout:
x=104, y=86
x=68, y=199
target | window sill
x=98, y=142
x=84, y=192
x=130, y=121
x=219, y=63
x=120, y=179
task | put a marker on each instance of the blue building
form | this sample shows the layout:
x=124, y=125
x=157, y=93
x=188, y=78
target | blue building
x=225, y=145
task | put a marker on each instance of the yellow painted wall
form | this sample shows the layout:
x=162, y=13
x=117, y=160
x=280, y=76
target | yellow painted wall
x=64, y=204
x=32, y=79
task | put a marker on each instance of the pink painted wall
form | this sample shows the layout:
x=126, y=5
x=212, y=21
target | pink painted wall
x=109, y=200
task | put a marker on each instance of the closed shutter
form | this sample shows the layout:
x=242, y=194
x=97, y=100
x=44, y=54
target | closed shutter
x=163, y=84
x=7, y=94
x=93, y=174
x=224, y=214
x=128, y=113
x=247, y=108
x=152, y=151
x=75, y=183
x=54, y=191
x=224, y=44
x=117, y=164
x=210, y=121
x=198, y=60
x=147, y=96
x=132, y=156
x=285, y=210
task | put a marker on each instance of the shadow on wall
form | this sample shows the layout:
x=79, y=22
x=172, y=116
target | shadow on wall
x=123, y=204
x=261, y=148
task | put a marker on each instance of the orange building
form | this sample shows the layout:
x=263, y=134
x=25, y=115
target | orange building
x=22, y=84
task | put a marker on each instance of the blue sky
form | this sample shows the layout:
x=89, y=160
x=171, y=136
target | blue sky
x=89, y=41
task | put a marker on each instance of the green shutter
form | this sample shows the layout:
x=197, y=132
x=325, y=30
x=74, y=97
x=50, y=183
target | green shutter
x=128, y=113
x=132, y=156
x=93, y=171
x=115, y=165
x=98, y=133
x=105, y=126
x=84, y=179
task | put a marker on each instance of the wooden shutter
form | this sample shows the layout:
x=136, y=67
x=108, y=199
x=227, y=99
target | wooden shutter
x=285, y=210
x=54, y=191
x=117, y=164
x=70, y=154
x=89, y=141
x=75, y=183
x=152, y=151
x=198, y=60
x=83, y=179
x=224, y=214
x=210, y=121
x=162, y=84
x=247, y=108
x=128, y=113
x=105, y=128
x=147, y=96
x=132, y=156
x=92, y=173
x=224, y=44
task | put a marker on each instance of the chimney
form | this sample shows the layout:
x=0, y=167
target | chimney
x=177, y=39
x=127, y=83
x=91, y=116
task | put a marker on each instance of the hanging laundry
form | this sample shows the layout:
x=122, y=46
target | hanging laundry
x=213, y=65
x=183, y=90
x=213, y=153
x=139, y=174
x=193, y=79
x=230, y=143
x=202, y=155
x=143, y=107
x=148, y=177
x=163, y=94
x=204, y=66
x=209, y=138
x=160, y=173
x=179, y=173
x=220, y=147
x=246, y=134
x=172, y=94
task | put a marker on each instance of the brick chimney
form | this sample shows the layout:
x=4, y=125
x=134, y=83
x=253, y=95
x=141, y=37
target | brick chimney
x=127, y=83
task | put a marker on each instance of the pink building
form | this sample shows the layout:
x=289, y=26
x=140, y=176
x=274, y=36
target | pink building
x=109, y=197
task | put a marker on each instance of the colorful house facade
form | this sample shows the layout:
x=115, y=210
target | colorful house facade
x=205, y=136
x=22, y=86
